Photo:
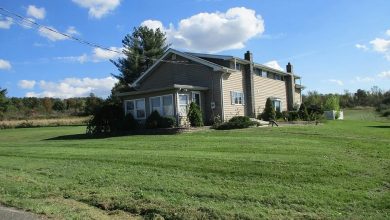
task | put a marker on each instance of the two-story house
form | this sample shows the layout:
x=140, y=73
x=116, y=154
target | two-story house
x=223, y=86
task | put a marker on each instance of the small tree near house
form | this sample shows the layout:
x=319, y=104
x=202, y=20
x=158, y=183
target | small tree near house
x=302, y=112
x=269, y=111
x=195, y=115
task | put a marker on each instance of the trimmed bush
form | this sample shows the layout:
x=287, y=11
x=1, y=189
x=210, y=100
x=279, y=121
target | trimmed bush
x=195, y=115
x=106, y=119
x=129, y=123
x=293, y=116
x=167, y=122
x=155, y=120
x=236, y=122
x=302, y=112
x=269, y=111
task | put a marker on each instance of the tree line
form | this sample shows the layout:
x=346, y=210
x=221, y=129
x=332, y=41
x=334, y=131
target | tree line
x=376, y=98
x=33, y=107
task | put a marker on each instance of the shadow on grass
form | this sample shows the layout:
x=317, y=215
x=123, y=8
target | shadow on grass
x=379, y=126
x=161, y=131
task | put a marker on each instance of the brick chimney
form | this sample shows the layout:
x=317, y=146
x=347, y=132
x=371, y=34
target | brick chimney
x=249, y=87
x=290, y=86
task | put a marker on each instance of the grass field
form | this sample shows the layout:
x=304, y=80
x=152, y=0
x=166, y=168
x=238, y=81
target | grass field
x=339, y=170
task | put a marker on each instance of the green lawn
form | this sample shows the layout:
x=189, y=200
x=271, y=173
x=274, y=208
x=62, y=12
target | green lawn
x=339, y=170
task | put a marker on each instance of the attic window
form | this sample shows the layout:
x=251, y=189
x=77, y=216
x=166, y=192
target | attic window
x=173, y=57
x=238, y=66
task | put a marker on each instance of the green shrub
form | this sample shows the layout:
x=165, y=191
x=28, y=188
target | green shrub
x=293, y=116
x=195, y=115
x=167, y=122
x=153, y=120
x=269, y=111
x=302, y=112
x=108, y=118
x=129, y=123
x=236, y=122
x=278, y=115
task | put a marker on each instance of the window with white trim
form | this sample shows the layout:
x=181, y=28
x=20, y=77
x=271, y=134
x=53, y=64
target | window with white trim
x=136, y=107
x=162, y=104
x=277, y=105
x=183, y=104
x=237, y=98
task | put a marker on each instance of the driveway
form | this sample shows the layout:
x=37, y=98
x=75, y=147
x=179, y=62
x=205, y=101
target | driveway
x=7, y=213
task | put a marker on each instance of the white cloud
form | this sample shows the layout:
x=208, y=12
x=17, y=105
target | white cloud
x=72, y=31
x=361, y=46
x=380, y=45
x=26, y=84
x=75, y=87
x=388, y=32
x=364, y=79
x=38, y=13
x=274, y=64
x=80, y=59
x=385, y=75
x=213, y=32
x=101, y=54
x=6, y=24
x=54, y=36
x=5, y=65
x=98, y=8
x=336, y=81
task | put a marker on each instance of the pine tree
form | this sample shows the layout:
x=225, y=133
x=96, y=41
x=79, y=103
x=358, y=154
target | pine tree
x=141, y=49
x=269, y=111
x=302, y=112
x=195, y=115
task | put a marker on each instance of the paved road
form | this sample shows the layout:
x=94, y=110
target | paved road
x=14, y=214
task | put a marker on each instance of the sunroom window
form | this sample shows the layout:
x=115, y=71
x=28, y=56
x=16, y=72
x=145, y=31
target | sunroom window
x=162, y=104
x=136, y=108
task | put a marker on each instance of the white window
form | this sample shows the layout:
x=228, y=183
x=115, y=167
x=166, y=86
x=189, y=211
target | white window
x=277, y=104
x=264, y=74
x=196, y=98
x=183, y=104
x=136, y=108
x=162, y=104
x=155, y=104
x=238, y=66
x=237, y=98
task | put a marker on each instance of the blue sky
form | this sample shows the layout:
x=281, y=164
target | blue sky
x=334, y=45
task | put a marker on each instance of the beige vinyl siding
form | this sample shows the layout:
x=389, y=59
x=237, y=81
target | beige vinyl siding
x=265, y=88
x=233, y=83
x=297, y=96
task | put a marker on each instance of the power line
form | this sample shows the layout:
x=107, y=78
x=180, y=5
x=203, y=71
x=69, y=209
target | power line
x=21, y=20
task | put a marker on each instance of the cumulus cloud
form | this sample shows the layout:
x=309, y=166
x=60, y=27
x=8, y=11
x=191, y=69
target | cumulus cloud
x=6, y=23
x=384, y=75
x=274, y=64
x=336, y=81
x=98, y=8
x=26, y=84
x=5, y=65
x=75, y=87
x=37, y=13
x=79, y=59
x=54, y=36
x=366, y=79
x=361, y=46
x=101, y=54
x=380, y=45
x=213, y=32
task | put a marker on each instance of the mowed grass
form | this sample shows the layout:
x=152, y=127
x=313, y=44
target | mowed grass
x=338, y=170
